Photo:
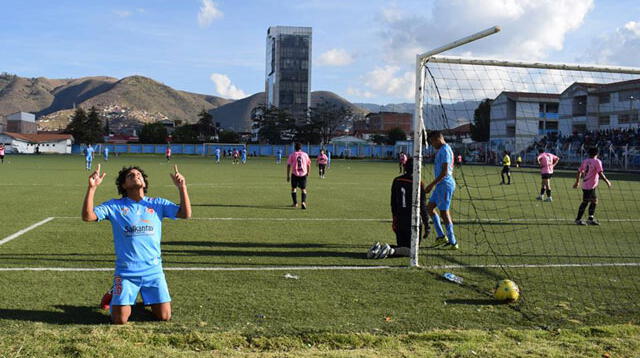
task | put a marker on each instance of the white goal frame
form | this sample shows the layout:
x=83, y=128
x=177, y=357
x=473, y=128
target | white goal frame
x=419, y=130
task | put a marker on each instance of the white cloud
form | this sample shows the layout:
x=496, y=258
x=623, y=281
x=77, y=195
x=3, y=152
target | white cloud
x=531, y=29
x=620, y=47
x=335, y=57
x=356, y=92
x=122, y=13
x=225, y=88
x=208, y=13
x=391, y=81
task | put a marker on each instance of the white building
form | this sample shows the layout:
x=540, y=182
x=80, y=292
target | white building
x=596, y=106
x=518, y=118
x=45, y=143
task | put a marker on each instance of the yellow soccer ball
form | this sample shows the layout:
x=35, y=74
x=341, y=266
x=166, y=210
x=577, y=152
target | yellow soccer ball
x=506, y=290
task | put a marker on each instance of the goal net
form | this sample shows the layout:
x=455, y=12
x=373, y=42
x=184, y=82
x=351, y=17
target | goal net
x=567, y=272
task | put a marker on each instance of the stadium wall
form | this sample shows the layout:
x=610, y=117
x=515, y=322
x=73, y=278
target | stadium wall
x=337, y=150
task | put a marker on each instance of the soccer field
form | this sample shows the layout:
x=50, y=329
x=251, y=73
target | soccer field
x=227, y=266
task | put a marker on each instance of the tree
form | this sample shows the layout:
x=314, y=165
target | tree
x=95, y=129
x=395, y=134
x=207, y=130
x=275, y=126
x=325, y=118
x=185, y=134
x=77, y=126
x=229, y=137
x=378, y=139
x=481, y=126
x=153, y=133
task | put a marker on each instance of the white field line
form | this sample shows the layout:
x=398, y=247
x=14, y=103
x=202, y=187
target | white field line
x=329, y=268
x=17, y=234
x=514, y=220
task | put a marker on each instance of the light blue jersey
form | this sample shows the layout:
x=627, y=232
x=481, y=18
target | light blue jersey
x=244, y=155
x=137, y=231
x=106, y=153
x=443, y=192
x=444, y=155
x=217, y=154
x=88, y=153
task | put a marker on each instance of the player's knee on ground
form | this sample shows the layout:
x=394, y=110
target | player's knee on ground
x=161, y=312
x=120, y=314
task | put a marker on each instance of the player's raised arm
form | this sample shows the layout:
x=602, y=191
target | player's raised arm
x=95, y=179
x=181, y=183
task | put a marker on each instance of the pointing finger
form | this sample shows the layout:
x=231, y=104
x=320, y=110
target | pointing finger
x=98, y=170
x=175, y=168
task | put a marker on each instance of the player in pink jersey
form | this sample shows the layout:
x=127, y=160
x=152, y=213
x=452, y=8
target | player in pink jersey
x=298, y=166
x=591, y=171
x=322, y=160
x=547, y=162
x=402, y=160
x=2, y=153
x=167, y=153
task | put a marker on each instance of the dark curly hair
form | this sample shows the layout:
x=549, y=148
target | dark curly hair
x=122, y=176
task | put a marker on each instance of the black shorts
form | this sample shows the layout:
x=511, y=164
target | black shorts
x=506, y=169
x=546, y=176
x=1, y=156
x=322, y=166
x=589, y=194
x=298, y=182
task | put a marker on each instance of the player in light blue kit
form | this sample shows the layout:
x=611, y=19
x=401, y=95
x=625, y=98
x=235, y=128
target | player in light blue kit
x=88, y=156
x=443, y=187
x=106, y=153
x=244, y=155
x=279, y=156
x=217, y=155
x=136, y=222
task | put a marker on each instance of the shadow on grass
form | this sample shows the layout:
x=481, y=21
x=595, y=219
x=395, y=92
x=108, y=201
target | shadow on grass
x=227, y=253
x=288, y=245
x=246, y=206
x=475, y=302
x=73, y=315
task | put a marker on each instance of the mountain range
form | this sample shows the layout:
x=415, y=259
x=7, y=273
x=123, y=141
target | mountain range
x=140, y=100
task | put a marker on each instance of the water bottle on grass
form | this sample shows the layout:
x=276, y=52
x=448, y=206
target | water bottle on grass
x=453, y=278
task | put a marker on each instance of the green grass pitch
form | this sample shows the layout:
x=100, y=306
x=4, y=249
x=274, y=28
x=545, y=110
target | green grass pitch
x=570, y=276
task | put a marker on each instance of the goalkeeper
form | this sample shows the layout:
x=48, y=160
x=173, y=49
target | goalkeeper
x=136, y=221
x=401, y=202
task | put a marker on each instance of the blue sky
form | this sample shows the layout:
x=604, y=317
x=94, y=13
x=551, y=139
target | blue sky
x=362, y=50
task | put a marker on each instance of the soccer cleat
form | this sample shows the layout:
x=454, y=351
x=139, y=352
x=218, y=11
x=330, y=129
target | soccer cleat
x=593, y=222
x=450, y=246
x=580, y=222
x=548, y=199
x=441, y=241
x=303, y=206
x=385, y=251
x=374, y=250
x=294, y=205
x=105, y=303
x=539, y=197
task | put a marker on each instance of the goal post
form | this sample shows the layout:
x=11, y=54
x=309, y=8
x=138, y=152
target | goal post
x=509, y=231
x=419, y=132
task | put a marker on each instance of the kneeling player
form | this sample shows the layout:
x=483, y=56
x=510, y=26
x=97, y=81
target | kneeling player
x=591, y=170
x=401, y=202
x=136, y=221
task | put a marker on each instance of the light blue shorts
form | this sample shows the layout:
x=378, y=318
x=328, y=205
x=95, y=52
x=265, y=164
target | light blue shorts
x=442, y=195
x=153, y=289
